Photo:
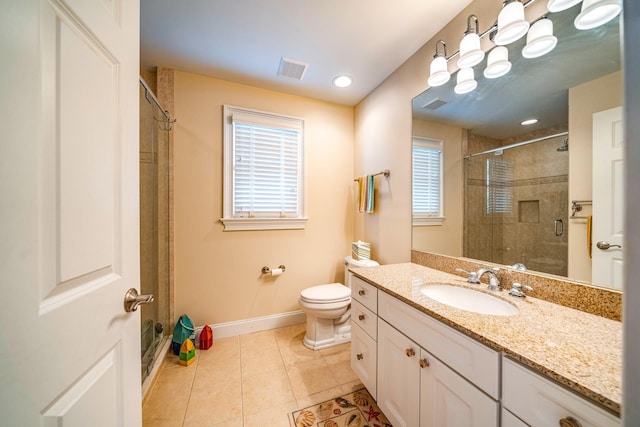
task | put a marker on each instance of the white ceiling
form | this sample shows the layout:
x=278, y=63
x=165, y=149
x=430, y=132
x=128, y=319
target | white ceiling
x=243, y=40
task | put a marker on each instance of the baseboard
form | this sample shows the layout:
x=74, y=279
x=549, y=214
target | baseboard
x=256, y=324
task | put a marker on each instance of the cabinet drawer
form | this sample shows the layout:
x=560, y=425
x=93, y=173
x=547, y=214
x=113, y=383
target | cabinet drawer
x=364, y=293
x=476, y=362
x=364, y=358
x=365, y=318
x=539, y=402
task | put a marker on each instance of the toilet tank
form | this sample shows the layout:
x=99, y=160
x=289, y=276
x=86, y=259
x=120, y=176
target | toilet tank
x=352, y=263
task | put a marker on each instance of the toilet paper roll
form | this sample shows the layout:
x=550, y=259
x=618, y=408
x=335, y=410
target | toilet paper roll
x=276, y=271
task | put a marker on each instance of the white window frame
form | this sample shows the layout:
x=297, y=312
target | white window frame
x=234, y=222
x=499, y=192
x=422, y=219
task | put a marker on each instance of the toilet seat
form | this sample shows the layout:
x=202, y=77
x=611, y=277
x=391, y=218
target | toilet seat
x=330, y=293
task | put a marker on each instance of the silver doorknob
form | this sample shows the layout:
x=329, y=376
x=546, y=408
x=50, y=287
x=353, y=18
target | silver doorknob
x=605, y=245
x=132, y=300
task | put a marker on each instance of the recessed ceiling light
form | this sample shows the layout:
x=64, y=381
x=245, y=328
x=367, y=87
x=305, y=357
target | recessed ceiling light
x=342, y=81
x=529, y=122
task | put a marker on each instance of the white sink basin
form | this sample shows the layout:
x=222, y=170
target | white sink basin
x=469, y=300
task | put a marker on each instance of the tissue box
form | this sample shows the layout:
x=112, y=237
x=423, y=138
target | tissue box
x=360, y=250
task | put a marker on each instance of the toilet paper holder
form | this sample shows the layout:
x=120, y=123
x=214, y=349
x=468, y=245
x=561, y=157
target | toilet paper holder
x=267, y=270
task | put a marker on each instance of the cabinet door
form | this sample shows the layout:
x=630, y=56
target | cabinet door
x=398, y=377
x=448, y=400
x=510, y=420
x=363, y=358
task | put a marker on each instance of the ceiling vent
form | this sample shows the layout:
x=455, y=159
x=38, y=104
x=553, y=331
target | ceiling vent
x=292, y=68
x=434, y=105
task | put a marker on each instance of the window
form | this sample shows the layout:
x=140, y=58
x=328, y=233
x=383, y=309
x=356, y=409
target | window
x=427, y=181
x=263, y=171
x=499, y=176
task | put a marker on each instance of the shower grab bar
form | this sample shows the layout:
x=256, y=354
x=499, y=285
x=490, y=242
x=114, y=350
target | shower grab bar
x=517, y=144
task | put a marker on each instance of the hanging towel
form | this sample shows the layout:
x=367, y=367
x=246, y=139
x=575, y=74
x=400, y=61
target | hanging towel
x=362, y=194
x=589, y=220
x=370, y=193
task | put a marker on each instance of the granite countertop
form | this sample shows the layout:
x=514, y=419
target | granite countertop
x=577, y=349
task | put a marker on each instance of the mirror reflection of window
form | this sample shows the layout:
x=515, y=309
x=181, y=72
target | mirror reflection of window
x=427, y=181
x=499, y=190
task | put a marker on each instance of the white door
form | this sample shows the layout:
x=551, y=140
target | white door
x=608, y=198
x=69, y=354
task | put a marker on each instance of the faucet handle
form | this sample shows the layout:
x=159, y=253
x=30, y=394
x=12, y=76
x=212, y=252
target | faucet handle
x=517, y=290
x=473, y=276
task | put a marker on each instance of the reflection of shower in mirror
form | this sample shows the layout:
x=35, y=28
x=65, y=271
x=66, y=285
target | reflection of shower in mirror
x=564, y=146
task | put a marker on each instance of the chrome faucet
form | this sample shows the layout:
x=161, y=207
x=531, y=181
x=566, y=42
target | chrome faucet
x=494, y=282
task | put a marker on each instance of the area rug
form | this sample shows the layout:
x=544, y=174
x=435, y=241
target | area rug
x=357, y=409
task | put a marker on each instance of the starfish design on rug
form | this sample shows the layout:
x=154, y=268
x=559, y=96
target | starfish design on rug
x=371, y=413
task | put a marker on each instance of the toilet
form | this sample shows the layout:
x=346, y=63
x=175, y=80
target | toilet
x=328, y=309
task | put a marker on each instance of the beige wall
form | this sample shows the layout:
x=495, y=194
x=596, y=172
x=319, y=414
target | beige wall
x=217, y=273
x=445, y=238
x=383, y=134
x=584, y=100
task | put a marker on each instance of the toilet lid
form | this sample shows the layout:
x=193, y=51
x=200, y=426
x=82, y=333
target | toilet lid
x=332, y=292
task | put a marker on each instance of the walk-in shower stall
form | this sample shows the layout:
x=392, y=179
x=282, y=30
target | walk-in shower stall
x=155, y=126
x=516, y=203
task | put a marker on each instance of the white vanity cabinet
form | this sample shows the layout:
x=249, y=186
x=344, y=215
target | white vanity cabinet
x=539, y=402
x=417, y=383
x=364, y=348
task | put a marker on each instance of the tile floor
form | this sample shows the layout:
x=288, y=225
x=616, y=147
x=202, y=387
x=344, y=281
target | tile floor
x=250, y=380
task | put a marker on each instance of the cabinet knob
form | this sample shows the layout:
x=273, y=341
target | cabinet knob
x=569, y=422
x=424, y=363
x=359, y=356
x=361, y=317
x=410, y=352
x=361, y=292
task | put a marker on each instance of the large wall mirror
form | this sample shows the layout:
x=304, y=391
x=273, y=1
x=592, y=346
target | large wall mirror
x=533, y=195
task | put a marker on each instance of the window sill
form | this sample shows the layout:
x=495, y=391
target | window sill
x=421, y=222
x=248, y=224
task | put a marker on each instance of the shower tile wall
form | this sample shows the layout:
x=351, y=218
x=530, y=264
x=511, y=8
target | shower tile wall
x=539, y=189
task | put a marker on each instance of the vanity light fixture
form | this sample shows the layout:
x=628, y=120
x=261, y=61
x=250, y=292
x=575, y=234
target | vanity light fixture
x=466, y=81
x=560, y=5
x=342, y=81
x=497, y=63
x=540, y=39
x=529, y=122
x=597, y=12
x=438, y=71
x=511, y=23
x=470, y=52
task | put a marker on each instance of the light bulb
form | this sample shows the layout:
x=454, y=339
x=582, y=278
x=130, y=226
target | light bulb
x=497, y=63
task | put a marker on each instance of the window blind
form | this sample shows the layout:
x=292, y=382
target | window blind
x=266, y=177
x=427, y=178
x=499, y=190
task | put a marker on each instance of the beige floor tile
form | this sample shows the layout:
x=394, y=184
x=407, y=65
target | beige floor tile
x=344, y=348
x=217, y=374
x=342, y=371
x=266, y=390
x=311, y=377
x=165, y=406
x=257, y=340
x=259, y=361
x=277, y=416
x=289, y=333
x=214, y=404
x=221, y=349
x=237, y=422
x=295, y=352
